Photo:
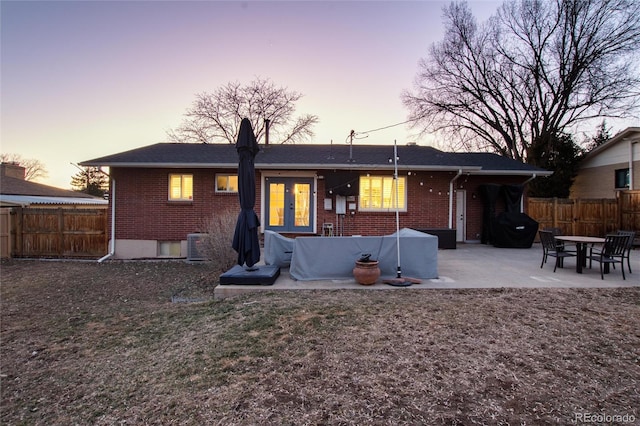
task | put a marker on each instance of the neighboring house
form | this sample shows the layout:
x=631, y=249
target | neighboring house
x=47, y=206
x=163, y=192
x=15, y=191
x=611, y=167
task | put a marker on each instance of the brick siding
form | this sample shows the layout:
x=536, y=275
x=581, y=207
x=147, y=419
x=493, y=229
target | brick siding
x=143, y=211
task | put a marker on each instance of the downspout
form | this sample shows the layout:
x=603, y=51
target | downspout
x=451, y=197
x=533, y=176
x=112, y=197
x=631, y=143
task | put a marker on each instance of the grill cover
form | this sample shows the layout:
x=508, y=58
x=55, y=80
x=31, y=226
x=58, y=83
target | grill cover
x=514, y=230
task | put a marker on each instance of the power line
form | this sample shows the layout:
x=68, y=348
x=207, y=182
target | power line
x=389, y=126
x=354, y=135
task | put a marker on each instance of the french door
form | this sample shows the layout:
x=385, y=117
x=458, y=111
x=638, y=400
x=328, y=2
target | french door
x=289, y=204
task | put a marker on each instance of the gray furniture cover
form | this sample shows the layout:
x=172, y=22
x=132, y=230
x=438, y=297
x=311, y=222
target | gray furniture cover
x=277, y=249
x=321, y=258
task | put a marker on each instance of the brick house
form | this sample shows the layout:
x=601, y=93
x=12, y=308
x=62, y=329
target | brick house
x=612, y=167
x=162, y=192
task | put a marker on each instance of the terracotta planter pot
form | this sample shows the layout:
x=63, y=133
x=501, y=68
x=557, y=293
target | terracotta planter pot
x=366, y=273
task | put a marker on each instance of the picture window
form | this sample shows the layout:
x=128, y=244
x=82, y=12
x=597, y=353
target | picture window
x=180, y=187
x=378, y=193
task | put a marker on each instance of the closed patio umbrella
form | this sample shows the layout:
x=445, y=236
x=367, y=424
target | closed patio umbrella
x=245, y=238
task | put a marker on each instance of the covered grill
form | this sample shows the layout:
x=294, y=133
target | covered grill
x=510, y=228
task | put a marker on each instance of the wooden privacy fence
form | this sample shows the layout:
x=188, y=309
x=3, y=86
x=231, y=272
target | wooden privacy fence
x=69, y=233
x=5, y=233
x=591, y=217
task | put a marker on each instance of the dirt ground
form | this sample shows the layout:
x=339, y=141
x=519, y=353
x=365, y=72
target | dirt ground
x=145, y=343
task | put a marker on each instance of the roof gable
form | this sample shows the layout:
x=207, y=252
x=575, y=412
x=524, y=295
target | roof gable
x=628, y=133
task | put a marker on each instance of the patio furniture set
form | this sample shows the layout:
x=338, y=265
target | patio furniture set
x=334, y=258
x=612, y=249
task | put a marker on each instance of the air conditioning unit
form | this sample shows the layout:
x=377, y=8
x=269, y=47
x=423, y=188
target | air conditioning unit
x=194, y=247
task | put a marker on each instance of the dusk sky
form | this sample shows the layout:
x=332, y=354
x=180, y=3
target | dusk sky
x=84, y=79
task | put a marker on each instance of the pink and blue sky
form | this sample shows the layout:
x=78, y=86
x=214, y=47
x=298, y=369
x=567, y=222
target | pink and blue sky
x=83, y=79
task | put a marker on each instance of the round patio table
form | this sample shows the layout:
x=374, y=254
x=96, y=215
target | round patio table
x=581, y=247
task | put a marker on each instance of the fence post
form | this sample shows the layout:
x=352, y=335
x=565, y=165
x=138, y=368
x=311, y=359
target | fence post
x=620, y=203
x=577, y=210
x=60, y=232
x=5, y=233
x=603, y=206
x=18, y=246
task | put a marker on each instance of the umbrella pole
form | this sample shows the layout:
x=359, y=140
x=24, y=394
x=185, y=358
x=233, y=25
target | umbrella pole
x=398, y=281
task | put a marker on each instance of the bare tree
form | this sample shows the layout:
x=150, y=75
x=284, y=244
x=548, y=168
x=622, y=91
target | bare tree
x=34, y=169
x=529, y=74
x=215, y=117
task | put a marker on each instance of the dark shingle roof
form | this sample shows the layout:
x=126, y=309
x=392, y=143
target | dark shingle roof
x=15, y=186
x=307, y=156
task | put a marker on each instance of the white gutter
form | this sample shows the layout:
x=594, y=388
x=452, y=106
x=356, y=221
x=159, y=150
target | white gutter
x=300, y=166
x=451, y=197
x=538, y=173
x=112, y=243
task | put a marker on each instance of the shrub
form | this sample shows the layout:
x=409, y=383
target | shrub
x=216, y=243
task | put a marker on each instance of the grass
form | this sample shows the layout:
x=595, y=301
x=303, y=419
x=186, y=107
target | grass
x=86, y=343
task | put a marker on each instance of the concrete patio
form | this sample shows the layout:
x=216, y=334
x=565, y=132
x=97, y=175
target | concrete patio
x=474, y=266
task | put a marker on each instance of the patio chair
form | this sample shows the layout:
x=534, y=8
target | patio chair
x=550, y=247
x=612, y=252
x=627, y=252
x=562, y=245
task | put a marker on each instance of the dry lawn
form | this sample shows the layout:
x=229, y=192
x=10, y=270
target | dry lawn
x=88, y=343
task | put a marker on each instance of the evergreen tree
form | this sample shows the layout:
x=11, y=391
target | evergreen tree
x=91, y=181
x=560, y=154
x=602, y=136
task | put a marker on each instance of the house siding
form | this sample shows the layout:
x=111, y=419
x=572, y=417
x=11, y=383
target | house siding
x=144, y=215
x=424, y=209
x=599, y=182
x=143, y=211
x=596, y=176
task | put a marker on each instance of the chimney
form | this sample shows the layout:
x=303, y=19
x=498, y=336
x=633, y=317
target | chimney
x=13, y=170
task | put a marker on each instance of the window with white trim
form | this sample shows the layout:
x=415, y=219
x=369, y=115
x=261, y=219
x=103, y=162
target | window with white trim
x=378, y=193
x=180, y=187
x=226, y=183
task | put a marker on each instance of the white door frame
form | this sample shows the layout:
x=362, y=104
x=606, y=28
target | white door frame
x=461, y=215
